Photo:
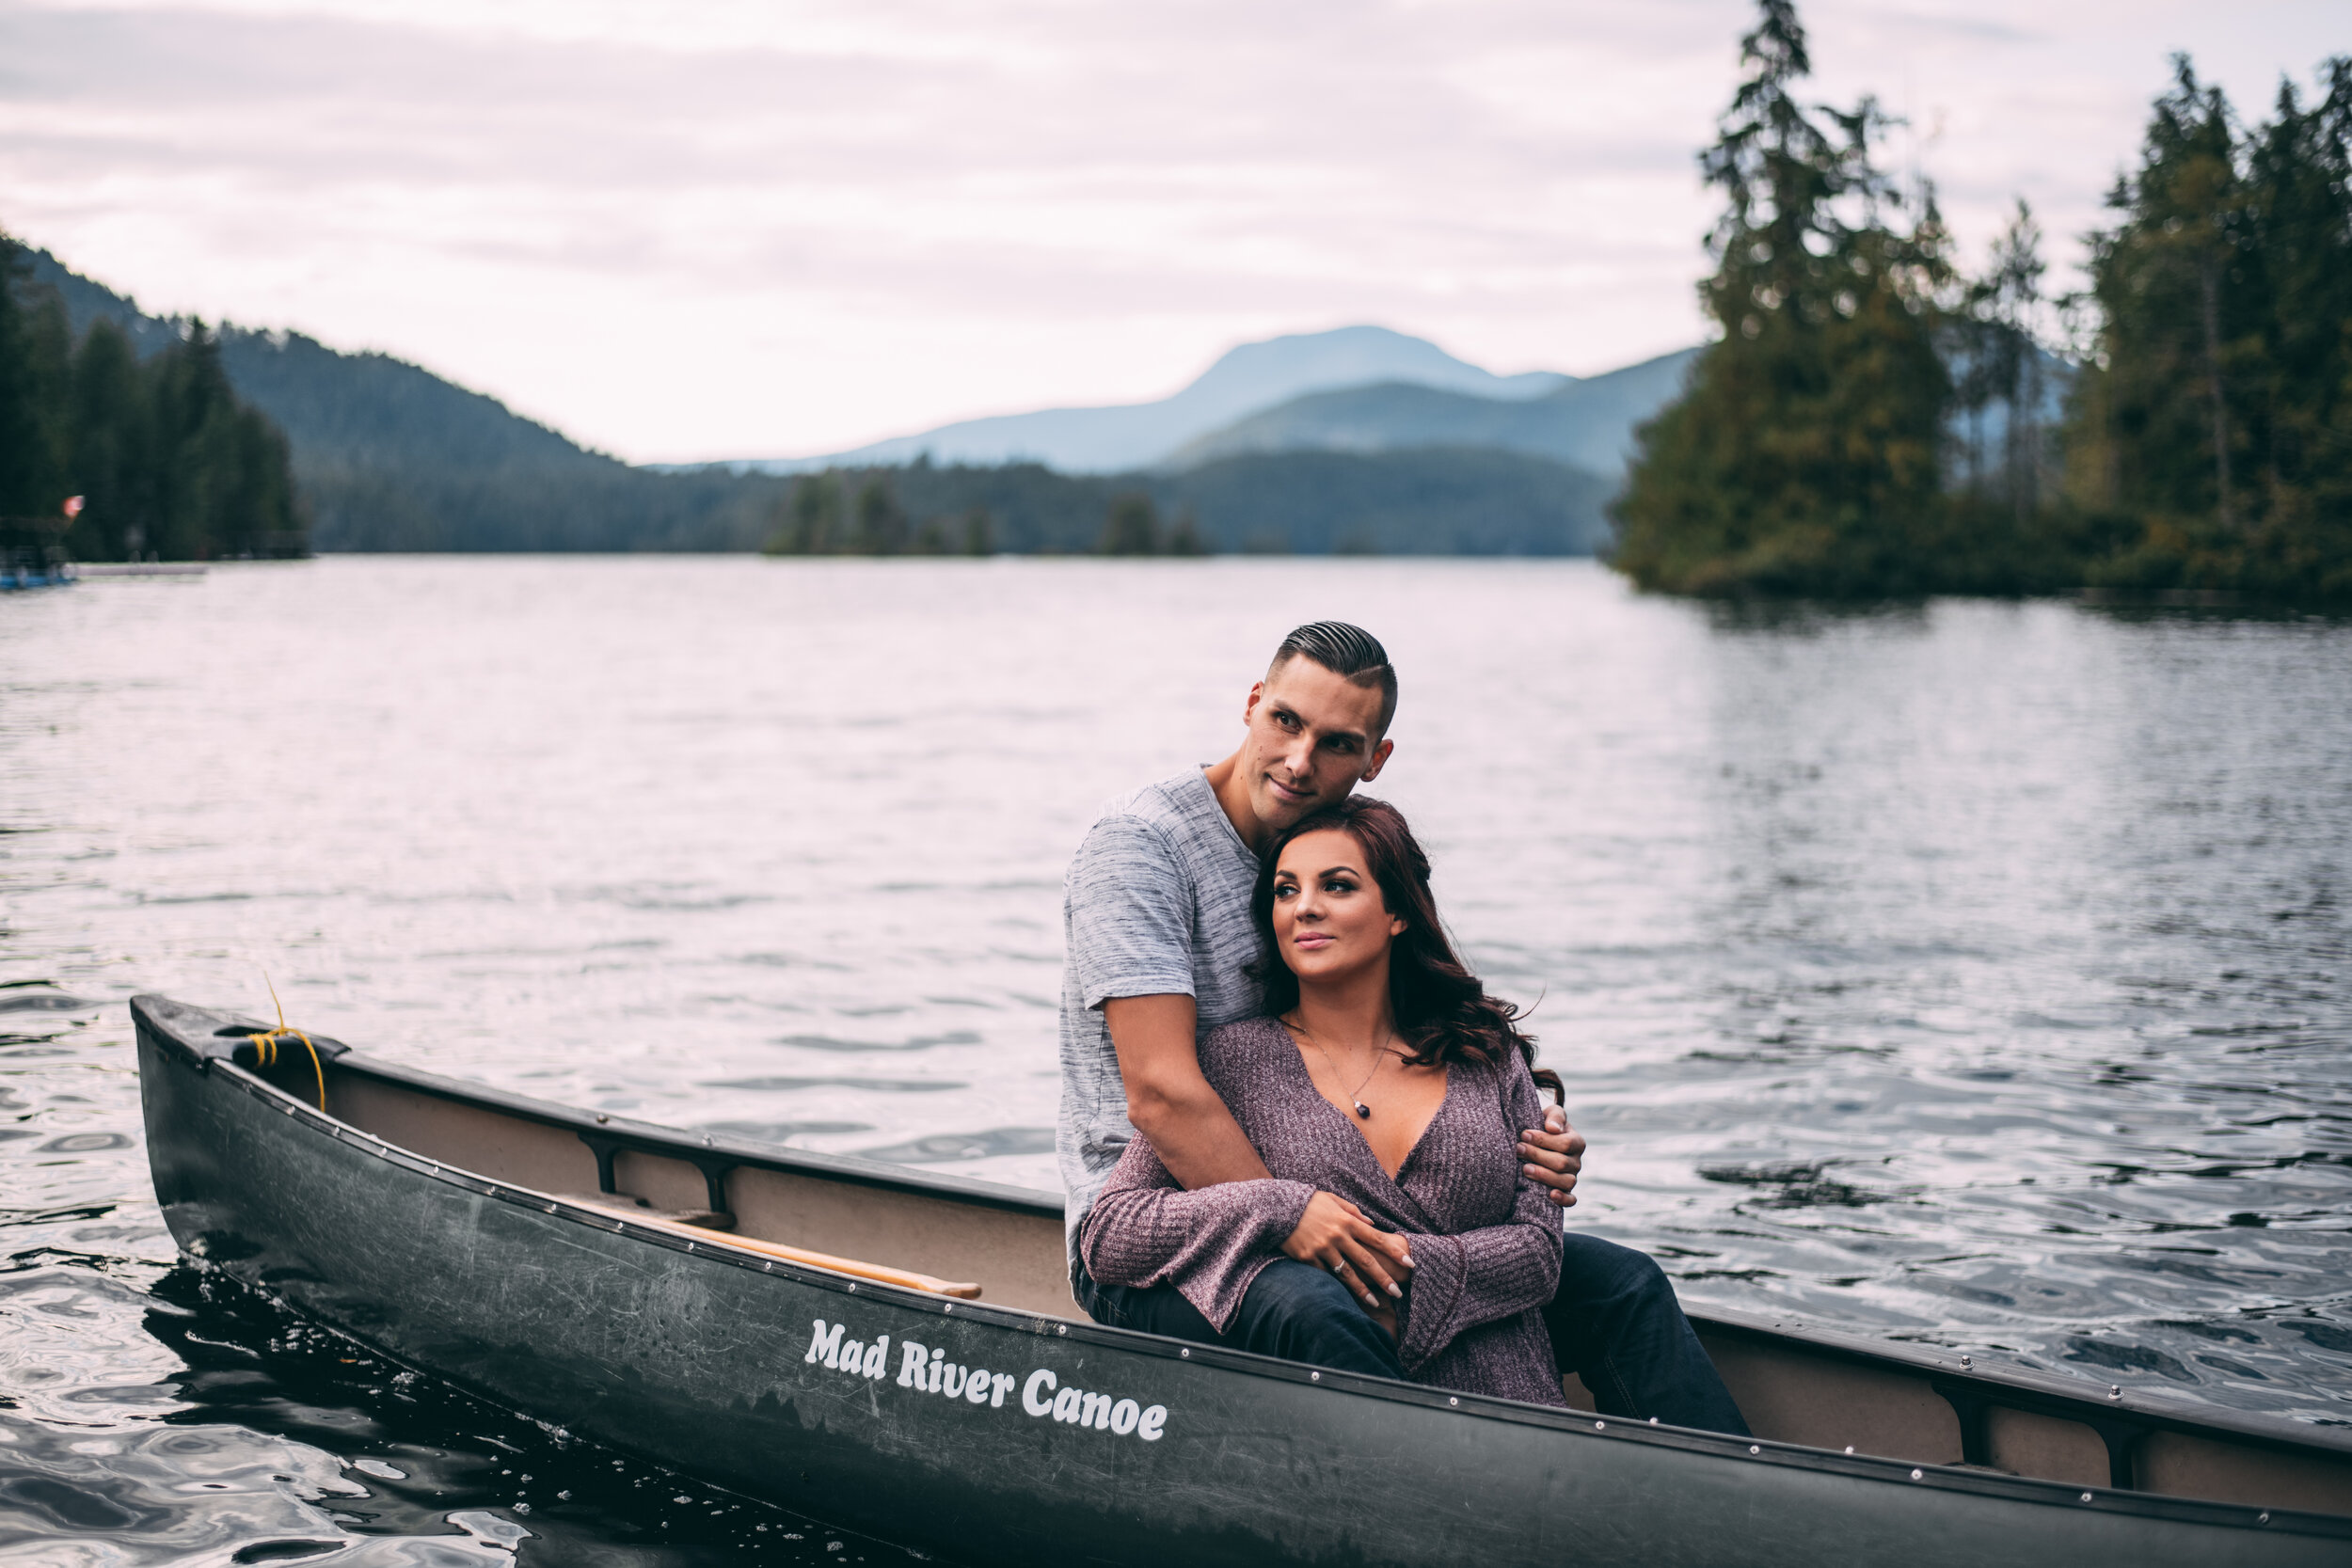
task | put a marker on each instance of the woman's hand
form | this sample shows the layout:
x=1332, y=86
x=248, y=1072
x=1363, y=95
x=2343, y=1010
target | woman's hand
x=1333, y=1234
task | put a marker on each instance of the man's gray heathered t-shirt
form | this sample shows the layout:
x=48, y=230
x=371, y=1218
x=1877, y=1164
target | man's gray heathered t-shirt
x=1157, y=903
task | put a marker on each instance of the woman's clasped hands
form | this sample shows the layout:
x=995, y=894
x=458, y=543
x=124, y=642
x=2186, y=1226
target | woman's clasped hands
x=1374, y=1264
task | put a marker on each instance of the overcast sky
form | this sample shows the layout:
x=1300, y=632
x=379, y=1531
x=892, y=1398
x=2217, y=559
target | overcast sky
x=738, y=228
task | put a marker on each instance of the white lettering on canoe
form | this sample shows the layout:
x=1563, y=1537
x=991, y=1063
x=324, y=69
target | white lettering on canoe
x=926, y=1370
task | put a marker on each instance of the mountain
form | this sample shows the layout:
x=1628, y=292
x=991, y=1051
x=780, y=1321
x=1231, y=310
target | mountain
x=1246, y=380
x=389, y=456
x=1586, y=424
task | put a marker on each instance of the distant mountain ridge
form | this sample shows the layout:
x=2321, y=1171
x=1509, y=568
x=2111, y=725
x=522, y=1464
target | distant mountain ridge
x=1244, y=381
x=389, y=456
x=1585, y=424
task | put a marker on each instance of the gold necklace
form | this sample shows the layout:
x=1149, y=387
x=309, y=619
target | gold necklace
x=1357, y=1100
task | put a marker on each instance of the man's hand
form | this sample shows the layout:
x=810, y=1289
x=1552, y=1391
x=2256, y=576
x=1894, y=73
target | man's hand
x=1333, y=1234
x=1554, y=1155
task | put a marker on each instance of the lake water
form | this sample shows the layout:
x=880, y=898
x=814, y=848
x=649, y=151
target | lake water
x=1972, y=973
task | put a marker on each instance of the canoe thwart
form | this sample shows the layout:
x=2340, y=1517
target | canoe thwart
x=620, y=1207
x=604, y=1145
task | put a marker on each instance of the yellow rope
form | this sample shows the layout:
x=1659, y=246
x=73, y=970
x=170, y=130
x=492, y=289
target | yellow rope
x=265, y=1044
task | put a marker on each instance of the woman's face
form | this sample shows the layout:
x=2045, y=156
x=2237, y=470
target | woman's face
x=1329, y=920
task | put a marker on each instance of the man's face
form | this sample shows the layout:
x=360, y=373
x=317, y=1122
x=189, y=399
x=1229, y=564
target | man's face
x=1310, y=740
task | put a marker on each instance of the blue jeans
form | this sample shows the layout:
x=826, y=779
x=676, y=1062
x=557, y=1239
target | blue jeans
x=1293, y=1309
x=1615, y=1323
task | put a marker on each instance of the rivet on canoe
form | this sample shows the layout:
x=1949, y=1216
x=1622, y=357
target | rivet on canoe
x=1850, y=1448
x=1600, y=1426
x=690, y=1246
x=1965, y=1362
x=602, y=1118
x=1915, y=1475
x=1184, y=1355
x=2114, y=1391
x=1451, y=1400
x=1058, y=1328
x=947, y=1306
x=2261, y=1518
x=2086, y=1496
x=1752, y=1448
x=852, y=1287
x=1314, y=1377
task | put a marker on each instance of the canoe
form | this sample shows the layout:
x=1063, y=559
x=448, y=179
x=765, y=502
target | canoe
x=898, y=1352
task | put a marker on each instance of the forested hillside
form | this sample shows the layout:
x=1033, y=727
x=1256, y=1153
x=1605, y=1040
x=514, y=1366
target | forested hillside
x=110, y=455
x=387, y=456
x=1431, y=502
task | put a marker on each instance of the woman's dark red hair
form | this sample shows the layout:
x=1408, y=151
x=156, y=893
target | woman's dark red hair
x=1441, y=1010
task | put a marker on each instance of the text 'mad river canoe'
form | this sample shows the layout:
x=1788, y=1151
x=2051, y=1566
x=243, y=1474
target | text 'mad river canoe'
x=804, y=1328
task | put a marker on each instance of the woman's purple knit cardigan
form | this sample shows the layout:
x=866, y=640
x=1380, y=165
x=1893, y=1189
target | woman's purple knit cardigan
x=1486, y=1238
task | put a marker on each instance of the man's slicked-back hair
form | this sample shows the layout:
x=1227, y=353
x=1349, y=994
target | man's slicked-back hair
x=1347, y=651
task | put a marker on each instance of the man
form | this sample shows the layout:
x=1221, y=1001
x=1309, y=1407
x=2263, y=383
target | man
x=1157, y=923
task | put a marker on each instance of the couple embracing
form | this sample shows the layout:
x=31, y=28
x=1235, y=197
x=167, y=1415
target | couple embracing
x=1293, y=1122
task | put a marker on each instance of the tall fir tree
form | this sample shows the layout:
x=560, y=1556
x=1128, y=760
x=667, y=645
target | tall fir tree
x=2178, y=317
x=2216, y=414
x=32, y=485
x=1806, y=456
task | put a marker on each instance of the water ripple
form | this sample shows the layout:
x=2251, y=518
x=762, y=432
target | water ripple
x=1971, y=974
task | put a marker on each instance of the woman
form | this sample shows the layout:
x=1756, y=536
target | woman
x=1384, y=1091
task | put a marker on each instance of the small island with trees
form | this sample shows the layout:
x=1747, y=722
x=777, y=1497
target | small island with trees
x=1829, y=442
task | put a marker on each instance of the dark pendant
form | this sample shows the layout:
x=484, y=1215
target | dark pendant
x=1363, y=1109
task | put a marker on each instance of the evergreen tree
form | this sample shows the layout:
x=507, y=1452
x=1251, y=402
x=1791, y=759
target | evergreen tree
x=809, y=518
x=165, y=456
x=31, y=483
x=1806, y=455
x=2298, y=188
x=110, y=448
x=1184, y=538
x=881, y=522
x=980, y=533
x=2177, y=317
x=2215, y=416
x=1131, y=527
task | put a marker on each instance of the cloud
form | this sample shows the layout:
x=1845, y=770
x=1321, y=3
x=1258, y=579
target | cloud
x=735, y=228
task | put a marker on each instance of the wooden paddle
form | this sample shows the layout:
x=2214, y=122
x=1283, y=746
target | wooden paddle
x=615, y=1205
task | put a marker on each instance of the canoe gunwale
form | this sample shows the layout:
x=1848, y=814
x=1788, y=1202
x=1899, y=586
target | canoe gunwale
x=215, y=1063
